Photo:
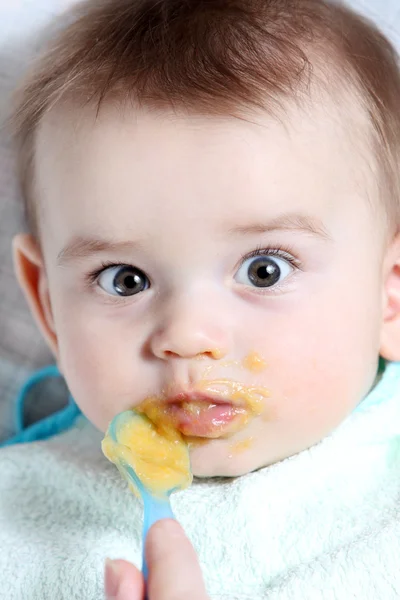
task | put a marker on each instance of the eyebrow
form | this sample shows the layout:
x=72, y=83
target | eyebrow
x=287, y=222
x=80, y=248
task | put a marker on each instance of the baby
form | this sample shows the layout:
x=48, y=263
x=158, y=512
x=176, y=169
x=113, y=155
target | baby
x=213, y=195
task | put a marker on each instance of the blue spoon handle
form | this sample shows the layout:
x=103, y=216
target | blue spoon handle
x=154, y=510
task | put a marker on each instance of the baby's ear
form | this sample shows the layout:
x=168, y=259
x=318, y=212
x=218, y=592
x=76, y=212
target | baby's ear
x=31, y=274
x=390, y=333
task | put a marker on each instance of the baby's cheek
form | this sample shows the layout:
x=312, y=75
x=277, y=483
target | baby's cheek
x=309, y=385
x=96, y=369
x=316, y=400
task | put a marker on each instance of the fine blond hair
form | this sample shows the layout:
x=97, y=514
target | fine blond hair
x=213, y=57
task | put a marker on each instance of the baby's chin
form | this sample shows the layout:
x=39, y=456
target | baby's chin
x=215, y=458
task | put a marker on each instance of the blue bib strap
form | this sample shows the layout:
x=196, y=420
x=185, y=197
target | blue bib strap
x=47, y=427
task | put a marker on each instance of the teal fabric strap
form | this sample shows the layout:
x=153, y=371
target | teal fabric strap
x=47, y=427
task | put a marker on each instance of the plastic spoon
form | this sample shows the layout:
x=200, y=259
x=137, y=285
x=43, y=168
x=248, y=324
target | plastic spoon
x=154, y=462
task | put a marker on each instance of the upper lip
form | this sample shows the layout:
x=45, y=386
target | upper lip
x=184, y=396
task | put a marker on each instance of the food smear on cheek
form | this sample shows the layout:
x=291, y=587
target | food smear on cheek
x=254, y=362
x=242, y=446
x=158, y=455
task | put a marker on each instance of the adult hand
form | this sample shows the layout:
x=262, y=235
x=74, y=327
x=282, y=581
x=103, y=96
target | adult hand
x=174, y=571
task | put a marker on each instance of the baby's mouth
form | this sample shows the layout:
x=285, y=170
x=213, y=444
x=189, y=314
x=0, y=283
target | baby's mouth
x=213, y=409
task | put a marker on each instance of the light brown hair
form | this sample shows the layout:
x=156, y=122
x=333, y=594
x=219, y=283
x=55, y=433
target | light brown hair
x=214, y=57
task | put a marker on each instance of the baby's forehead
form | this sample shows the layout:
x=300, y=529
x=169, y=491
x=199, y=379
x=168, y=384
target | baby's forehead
x=323, y=125
x=118, y=167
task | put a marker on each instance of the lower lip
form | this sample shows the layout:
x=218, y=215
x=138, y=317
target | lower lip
x=206, y=420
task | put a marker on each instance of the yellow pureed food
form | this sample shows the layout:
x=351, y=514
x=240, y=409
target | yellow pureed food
x=152, y=444
x=158, y=455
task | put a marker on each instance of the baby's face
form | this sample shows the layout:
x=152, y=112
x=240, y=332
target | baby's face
x=186, y=257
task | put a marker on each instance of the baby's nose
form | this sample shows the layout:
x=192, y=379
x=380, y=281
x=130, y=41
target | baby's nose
x=190, y=332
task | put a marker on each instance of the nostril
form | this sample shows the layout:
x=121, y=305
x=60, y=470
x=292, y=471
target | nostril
x=187, y=340
x=216, y=353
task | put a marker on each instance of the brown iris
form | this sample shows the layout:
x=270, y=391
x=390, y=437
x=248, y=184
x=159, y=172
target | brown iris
x=264, y=272
x=129, y=281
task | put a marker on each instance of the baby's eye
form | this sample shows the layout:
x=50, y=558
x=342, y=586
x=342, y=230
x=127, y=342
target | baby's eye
x=123, y=281
x=264, y=271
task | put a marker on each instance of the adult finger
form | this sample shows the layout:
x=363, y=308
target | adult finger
x=123, y=581
x=174, y=570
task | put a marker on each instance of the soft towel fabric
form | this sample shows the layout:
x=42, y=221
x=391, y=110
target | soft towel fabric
x=324, y=524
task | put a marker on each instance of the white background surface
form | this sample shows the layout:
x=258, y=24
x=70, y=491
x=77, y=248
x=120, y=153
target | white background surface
x=21, y=348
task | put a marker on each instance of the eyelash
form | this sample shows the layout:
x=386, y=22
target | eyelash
x=279, y=251
x=92, y=277
x=285, y=253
